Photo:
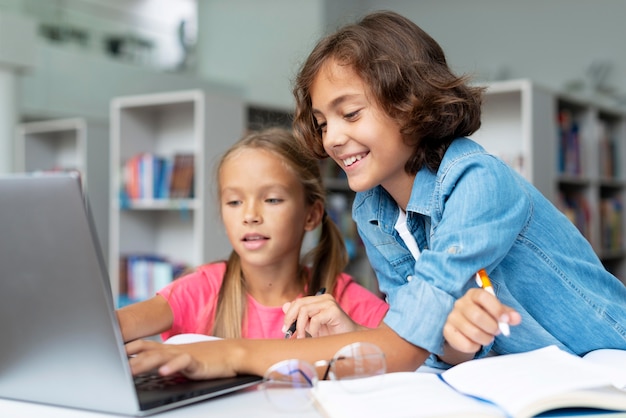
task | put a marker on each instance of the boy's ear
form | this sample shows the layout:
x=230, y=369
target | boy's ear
x=314, y=217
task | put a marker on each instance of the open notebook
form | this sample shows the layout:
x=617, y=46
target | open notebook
x=61, y=343
x=515, y=385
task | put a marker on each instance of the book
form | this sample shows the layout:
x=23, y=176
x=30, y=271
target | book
x=515, y=385
x=182, y=179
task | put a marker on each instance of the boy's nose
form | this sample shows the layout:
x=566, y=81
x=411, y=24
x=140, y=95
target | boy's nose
x=333, y=138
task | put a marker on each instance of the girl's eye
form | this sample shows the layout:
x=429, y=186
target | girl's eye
x=273, y=200
x=233, y=203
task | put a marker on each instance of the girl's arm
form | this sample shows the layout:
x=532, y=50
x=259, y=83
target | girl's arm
x=229, y=357
x=144, y=319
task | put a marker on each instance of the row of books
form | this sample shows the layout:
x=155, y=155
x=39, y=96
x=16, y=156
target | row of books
x=608, y=152
x=149, y=176
x=577, y=209
x=571, y=148
x=570, y=144
x=142, y=275
x=611, y=221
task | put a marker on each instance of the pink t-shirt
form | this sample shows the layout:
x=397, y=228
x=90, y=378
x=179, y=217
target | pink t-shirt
x=193, y=299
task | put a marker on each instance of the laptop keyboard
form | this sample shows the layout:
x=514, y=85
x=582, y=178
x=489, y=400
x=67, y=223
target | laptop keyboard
x=154, y=381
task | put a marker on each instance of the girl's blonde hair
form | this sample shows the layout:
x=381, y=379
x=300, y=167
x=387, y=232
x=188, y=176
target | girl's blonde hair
x=326, y=260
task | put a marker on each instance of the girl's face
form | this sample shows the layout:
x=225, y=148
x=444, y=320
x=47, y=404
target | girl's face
x=263, y=208
x=358, y=135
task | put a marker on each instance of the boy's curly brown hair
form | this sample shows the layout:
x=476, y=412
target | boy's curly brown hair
x=406, y=73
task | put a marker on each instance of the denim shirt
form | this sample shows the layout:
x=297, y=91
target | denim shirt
x=476, y=212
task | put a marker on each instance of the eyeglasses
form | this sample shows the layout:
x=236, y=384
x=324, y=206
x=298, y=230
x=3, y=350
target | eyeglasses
x=288, y=384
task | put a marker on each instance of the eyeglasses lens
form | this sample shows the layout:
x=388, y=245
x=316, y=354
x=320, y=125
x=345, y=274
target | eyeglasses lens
x=357, y=361
x=288, y=384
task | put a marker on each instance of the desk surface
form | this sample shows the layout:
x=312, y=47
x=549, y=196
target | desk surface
x=246, y=403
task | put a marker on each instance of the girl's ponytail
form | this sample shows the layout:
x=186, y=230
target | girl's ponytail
x=328, y=259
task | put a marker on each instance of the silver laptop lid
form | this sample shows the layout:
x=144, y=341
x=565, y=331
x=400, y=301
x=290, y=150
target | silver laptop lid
x=60, y=340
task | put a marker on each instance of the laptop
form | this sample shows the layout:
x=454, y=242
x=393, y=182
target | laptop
x=61, y=343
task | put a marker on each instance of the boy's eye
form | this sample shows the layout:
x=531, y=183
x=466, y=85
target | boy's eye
x=321, y=127
x=233, y=203
x=351, y=115
x=273, y=200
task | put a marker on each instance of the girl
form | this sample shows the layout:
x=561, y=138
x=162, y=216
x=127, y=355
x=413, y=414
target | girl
x=432, y=208
x=270, y=194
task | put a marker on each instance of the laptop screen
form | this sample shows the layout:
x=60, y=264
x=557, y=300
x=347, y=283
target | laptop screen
x=62, y=344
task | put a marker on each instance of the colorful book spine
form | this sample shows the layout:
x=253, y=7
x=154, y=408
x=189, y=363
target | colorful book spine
x=142, y=275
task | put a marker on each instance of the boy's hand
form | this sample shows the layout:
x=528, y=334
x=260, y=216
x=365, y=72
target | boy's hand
x=473, y=322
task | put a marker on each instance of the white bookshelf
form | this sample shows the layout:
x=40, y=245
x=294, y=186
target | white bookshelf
x=67, y=145
x=187, y=231
x=520, y=124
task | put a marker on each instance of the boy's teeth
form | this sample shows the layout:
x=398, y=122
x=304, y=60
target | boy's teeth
x=351, y=160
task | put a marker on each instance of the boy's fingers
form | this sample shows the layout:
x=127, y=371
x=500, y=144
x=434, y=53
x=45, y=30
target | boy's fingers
x=459, y=341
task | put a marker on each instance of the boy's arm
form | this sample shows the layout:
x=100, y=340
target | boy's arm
x=144, y=319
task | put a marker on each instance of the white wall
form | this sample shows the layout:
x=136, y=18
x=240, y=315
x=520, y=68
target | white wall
x=70, y=83
x=155, y=20
x=257, y=44
x=551, y=42
x=260, y=44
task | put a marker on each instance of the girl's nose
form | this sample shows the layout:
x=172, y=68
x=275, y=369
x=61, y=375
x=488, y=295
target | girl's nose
x=252, y=216
x=251, y=219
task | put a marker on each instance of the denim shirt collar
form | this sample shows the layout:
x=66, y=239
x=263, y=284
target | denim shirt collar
x=421, y=194
x=424, y=185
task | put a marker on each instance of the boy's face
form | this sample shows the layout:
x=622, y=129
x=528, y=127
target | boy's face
x=358, y=135
x=263, y=208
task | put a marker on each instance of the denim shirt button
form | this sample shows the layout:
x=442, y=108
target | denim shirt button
x=409, y=278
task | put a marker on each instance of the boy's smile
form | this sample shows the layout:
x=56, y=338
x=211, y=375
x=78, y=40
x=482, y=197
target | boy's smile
x=358, y=135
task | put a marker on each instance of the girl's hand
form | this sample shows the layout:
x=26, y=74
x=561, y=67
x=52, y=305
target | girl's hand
x=473, y=322
x=317, y=316
x=196, y=360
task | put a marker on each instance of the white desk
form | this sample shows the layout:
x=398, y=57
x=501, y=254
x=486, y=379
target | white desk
x=246, y=403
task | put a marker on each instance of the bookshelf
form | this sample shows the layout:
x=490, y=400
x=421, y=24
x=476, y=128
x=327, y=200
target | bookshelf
x=572, y=149
x=70, y=144
x=183, y=231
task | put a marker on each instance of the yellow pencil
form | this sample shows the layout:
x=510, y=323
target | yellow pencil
x=483, y=281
